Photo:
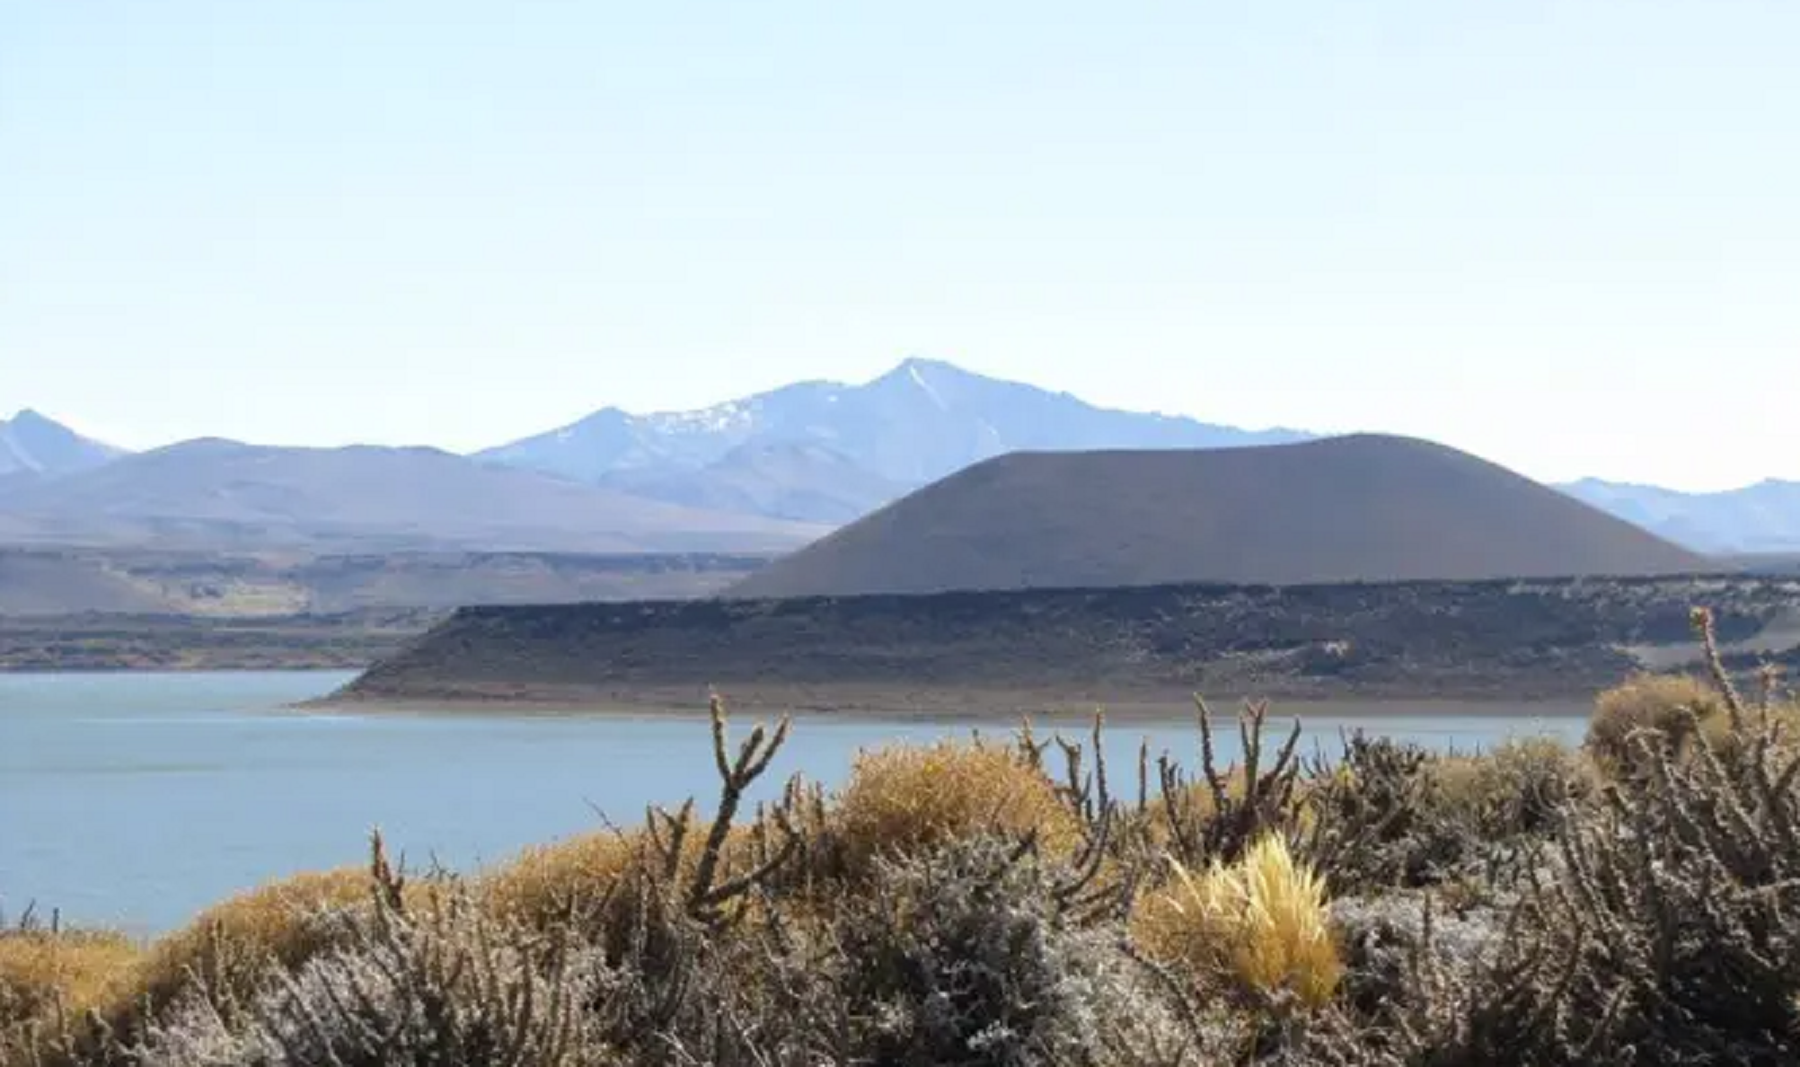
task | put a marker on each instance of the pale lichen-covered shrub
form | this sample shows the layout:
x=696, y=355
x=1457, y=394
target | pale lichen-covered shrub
x=449, y=986
x=1257, y=927
x=1385, y=939
x=1676, y=923
x=960, y=955
x=233, y=947
x=1662, y=927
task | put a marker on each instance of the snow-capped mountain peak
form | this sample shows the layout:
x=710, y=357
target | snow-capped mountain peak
x=920, y=421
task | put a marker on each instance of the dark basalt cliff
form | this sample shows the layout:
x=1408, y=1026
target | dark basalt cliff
x=1540, y=639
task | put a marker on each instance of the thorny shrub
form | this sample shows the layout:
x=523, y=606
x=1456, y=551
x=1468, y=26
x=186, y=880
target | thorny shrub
x=443, y=985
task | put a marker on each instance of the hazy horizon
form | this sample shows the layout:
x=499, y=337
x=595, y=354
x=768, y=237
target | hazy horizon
x=1560, y=236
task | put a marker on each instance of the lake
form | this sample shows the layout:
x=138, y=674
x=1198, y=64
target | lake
x=133, y=800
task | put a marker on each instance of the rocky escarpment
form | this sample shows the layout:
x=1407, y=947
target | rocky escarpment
x=1471, y=640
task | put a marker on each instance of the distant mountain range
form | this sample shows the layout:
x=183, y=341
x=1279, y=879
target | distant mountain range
x=1759, y=518
x=760, y=473
x=213, y=494
x=841, y=449
x=32, y=445
x=830, y=452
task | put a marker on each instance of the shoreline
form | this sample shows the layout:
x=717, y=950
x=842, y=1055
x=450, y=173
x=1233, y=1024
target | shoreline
x=958, y=705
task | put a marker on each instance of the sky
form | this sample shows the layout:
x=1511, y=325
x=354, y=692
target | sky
x=1564, y=236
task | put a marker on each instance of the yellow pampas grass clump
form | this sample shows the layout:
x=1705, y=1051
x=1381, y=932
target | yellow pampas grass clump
x=1258, y=926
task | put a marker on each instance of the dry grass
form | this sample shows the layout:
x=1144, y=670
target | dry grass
x=545, y=886
x=43, y=971
x=1514, y=786
x=235, y=945
x=1669, y=704
x=1782, y=716
x=1196, y=797
x=1196, y=801
x=1675, y=706
x=906, y=799
x=539, y=886
x=1258, y=926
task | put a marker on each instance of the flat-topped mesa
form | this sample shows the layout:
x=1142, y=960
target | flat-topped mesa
x=1029, y=649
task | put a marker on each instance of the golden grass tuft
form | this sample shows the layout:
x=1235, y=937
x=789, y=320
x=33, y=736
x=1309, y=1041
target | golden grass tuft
x=907, y=798
x=543, y=887
x=1258, y=926
x=1503, y=774
x=1652, y=702
x=43, y=972
x=236, y=945
x=539, y=885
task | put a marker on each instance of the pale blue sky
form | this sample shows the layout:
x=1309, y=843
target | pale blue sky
x=1563, y=235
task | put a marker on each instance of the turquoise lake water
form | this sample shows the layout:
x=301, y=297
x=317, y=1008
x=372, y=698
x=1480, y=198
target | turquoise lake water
x=133, y=800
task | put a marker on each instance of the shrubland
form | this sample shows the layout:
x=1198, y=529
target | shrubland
x=1027, y=902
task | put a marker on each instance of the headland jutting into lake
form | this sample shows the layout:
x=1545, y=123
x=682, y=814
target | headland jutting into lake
x=1507, y=640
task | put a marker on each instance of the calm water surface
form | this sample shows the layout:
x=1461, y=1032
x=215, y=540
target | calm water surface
x=136, y=799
